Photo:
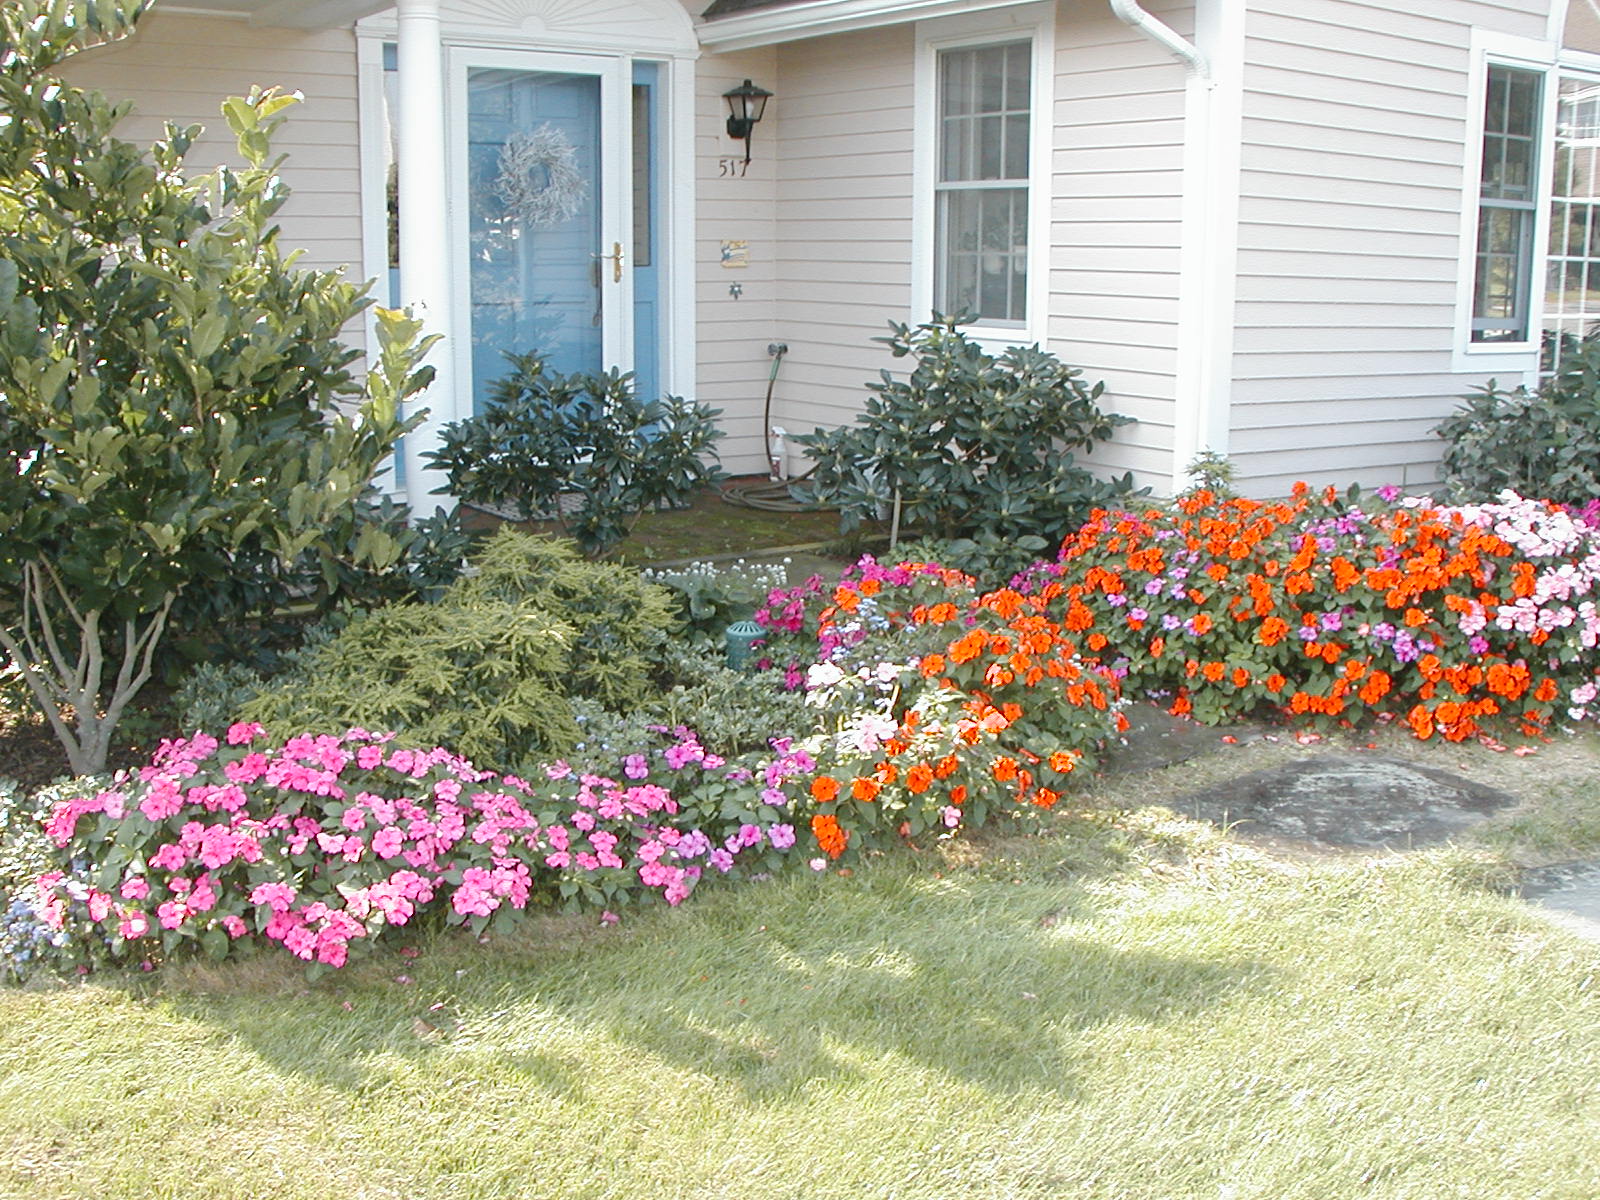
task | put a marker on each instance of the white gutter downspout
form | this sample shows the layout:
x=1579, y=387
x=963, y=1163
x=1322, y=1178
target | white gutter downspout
x=1130, y=14
x=1206, y=258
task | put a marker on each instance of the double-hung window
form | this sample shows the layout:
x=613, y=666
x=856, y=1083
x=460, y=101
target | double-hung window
x=981, y=184
x=1572, y=295
x=1508, y=205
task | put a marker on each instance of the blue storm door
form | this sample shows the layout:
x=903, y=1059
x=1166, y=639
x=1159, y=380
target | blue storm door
x=547, y=198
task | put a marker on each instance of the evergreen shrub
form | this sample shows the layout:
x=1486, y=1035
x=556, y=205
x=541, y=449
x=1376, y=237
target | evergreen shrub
x=976, y=446
x=489, y=668
x=583, y=449
x=1535, y=443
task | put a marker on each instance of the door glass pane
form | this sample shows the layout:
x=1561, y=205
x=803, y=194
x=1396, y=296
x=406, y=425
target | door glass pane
x=533, y=221
x=648, y=249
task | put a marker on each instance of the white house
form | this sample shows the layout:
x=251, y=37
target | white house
x=1290, y=230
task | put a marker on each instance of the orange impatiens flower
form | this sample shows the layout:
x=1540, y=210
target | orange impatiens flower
x=1006, y=603
x=931, y=665
x=1375, y=688
x=968, y=646
x=824, y=789
x=1273, y=631
x=1064, y=761
x=1421, y=721
x=1004, y=769
x=919, y=779
x=830, y=837
x=864, y=789
x=1345, y=574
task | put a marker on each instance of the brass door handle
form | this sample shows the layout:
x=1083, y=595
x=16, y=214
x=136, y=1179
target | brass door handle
x=616, y=261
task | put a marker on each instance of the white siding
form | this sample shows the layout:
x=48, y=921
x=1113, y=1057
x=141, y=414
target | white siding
x=732, y=334
x=844, y=218
x=180, y=68
x=1355, y=131
x=1117, y=184
x=844, y=201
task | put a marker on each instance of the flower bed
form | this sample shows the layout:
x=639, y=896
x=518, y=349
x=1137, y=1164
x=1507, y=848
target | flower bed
x=320, y=843
x=932, y=707
x=950, y=705
x=1337, y=609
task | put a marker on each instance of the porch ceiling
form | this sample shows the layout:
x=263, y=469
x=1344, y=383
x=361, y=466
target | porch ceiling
x=288, y=14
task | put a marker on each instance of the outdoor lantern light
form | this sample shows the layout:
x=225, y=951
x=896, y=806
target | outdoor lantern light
x=746, y=104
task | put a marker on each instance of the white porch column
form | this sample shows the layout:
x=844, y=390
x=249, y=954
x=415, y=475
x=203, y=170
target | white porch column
x=424, y=240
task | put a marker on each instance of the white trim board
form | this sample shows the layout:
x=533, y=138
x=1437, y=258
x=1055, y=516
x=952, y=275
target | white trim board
x=768, y=27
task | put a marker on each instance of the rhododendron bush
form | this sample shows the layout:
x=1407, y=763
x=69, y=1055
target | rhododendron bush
x=1451, y=619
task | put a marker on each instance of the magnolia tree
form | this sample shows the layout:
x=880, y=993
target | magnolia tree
x=176, y=393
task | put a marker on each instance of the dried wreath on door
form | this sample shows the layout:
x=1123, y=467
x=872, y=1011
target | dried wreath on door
x=539, y=182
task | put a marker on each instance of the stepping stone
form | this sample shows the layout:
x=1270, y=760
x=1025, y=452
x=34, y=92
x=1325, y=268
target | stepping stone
x=1157, y=739
x=1344, y=801
x=1569, y=894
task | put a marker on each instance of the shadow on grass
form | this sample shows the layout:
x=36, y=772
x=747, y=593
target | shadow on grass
x=769, y=989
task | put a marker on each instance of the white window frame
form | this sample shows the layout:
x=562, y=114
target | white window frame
x=1505, y=359
x=1034, y=23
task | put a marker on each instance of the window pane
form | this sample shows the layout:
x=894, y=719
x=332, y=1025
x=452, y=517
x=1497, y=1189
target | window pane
x=643, y=248
x=981, y=222
x=1572, y=298
x=991, y=147
x=991, y=72
x=985, y=260
x=1509, y=185
x=1019, y=76
x=955, y=84
x=1016, y=139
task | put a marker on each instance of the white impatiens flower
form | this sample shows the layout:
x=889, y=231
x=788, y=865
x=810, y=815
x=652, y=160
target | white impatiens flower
x=822, y=675
x=871, y=730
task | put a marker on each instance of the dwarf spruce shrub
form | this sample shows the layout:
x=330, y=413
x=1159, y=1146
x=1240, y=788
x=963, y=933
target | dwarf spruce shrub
x=488, y=669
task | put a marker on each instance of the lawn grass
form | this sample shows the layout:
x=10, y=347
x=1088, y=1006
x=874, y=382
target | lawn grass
x=1126, y=1006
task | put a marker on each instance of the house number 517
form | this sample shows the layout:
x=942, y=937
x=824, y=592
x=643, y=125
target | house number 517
x=732, y=168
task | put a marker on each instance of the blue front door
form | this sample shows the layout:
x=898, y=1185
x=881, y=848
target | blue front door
x=556, y=215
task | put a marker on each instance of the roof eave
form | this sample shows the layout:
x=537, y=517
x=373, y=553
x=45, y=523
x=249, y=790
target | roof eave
x=818, y=18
